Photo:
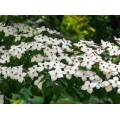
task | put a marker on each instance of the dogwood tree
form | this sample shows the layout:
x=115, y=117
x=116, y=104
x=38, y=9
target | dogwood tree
x=38, y=66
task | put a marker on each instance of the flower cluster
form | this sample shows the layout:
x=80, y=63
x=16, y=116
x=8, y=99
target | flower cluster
x=91, y=63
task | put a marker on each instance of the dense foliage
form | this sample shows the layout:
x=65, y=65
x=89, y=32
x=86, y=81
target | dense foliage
x=39, y=65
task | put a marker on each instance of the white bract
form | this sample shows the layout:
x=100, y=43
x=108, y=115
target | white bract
x=88, y=86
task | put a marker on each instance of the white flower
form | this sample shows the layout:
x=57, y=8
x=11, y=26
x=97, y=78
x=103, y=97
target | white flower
x=105, y=44
x=88, y=86
x=115, y=82
x=107, y=86
x=17, y=37
x=118, y=91
x=8, y=31
x=55, y=74
x=21, y=77
x=39, y=82
x=99, y=51
x=86, y=50
x=87, y=62
x=67, y=72
x=117, y=39
x=32, y=73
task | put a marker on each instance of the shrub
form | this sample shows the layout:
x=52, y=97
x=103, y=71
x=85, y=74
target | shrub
x=38, y=66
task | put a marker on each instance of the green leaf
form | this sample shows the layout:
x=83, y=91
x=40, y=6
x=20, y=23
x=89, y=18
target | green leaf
x=36, y=100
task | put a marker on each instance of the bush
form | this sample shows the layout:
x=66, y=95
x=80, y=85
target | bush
x=37, y=65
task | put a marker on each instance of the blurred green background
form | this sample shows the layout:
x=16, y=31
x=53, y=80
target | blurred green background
x=74, y=27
